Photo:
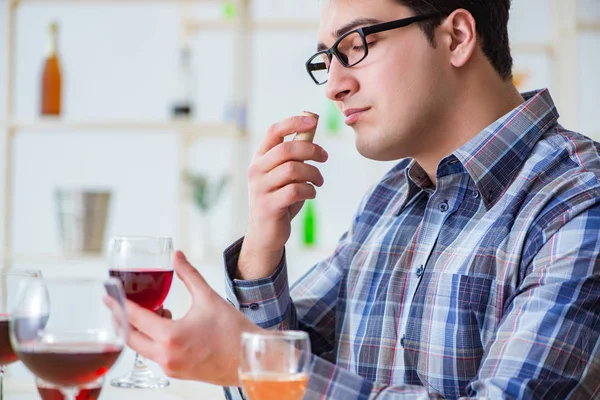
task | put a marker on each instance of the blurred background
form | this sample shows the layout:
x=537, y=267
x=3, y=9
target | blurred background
x=162, y=104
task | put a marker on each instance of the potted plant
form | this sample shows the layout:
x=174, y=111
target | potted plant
x=204, y=194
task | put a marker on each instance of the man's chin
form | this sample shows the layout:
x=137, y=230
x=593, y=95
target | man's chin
x=373, y=151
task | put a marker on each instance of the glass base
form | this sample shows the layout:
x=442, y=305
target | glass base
x=140, y=381
x=140, y=378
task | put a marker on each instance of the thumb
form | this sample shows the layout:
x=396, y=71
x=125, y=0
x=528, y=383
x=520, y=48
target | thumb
x=190, y=276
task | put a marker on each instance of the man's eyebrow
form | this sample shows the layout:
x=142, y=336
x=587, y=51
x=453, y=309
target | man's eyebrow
x=348, y=27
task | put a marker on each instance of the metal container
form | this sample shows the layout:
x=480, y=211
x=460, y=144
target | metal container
x=82, y=216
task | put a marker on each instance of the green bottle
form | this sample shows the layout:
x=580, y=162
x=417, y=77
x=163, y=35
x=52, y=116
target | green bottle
x=309, y=223
x=333, y=119
x=229, y=11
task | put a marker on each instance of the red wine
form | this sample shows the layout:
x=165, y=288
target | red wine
x=7, y=354
x=69, y=364
x=47, y=393
x=26, y=328
x=146, y=287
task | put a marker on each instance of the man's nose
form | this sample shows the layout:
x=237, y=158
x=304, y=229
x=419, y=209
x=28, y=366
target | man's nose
x=340, y=81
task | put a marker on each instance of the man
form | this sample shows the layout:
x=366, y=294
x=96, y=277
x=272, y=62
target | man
x=471, y=269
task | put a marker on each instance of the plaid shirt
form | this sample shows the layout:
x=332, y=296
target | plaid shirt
x=486, y=285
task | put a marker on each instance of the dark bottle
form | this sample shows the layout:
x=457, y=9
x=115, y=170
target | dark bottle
x=183, y=102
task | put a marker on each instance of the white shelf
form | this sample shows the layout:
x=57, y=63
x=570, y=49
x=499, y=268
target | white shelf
x=524, y=47
x=199, y=129
x=589, y=26
x=112, y=2
x=50, y=258
x=256, y=24
x=289, y=25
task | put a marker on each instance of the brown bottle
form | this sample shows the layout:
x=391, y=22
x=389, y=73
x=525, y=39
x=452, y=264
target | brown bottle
x=51, y=77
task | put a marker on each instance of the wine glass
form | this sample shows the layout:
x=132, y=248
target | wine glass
x=9, y=281
x=144, y=265
x=275, y=365
x=69, y=332
x=90, y=391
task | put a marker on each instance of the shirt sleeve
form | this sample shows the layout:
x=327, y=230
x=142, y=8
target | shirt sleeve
x=267, y=302
x=309, y=306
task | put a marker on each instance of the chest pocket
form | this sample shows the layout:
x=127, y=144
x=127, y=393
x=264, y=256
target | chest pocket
x=446, y=330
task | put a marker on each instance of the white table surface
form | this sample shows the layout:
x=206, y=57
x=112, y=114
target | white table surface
x=19, y=384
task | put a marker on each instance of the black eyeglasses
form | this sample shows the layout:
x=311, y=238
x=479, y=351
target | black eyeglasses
x=351, y=48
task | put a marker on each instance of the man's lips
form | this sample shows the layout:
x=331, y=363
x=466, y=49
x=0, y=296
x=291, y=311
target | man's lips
x=352, y=114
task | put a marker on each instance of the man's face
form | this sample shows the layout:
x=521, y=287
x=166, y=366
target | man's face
x=397, y=89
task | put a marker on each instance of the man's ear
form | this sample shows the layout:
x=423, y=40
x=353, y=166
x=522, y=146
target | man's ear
x=459, y=35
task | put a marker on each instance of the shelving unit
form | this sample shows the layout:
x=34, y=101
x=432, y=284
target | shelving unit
x=190, y=130
x=561, y=49
x=590, y=26
x=44, y=258
x=273, y=25
x=563, y=53
x=187, y=132
x=533, y=48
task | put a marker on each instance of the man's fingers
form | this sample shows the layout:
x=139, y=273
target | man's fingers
x=292, y=151
x=295, y=192
x=190, y=277
x=277, y=132
x=293, y=172
x=142, y=344
x=146, y=321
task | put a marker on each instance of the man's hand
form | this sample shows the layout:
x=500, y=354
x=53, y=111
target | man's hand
x=279, y=181
x=204, y=345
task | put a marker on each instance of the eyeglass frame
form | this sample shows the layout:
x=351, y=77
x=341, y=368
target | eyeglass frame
x=363, y=33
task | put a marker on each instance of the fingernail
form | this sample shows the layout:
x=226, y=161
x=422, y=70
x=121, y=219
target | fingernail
x=309, y=120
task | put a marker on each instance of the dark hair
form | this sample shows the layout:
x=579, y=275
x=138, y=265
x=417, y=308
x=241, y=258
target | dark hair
x=491, y=17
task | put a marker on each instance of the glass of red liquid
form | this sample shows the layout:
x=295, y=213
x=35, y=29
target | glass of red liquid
x=9, y=281
x=145, y=267
x=87, y=392
x=275, y=365
x=82, y=331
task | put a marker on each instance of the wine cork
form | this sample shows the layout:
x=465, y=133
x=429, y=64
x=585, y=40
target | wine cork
x=309, y=135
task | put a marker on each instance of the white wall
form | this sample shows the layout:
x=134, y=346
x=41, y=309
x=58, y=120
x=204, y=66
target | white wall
x=119, y=63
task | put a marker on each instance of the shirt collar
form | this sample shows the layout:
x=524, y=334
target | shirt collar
x=495, y=156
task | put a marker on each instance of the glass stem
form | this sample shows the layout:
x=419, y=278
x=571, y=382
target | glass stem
x=70, y=393
x=1, y=382
x=140, y=368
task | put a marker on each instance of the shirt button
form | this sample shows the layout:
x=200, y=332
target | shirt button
x=419, y=271
x=475, y=194
x=402, y=341
x=444, y=206
x=254, y=306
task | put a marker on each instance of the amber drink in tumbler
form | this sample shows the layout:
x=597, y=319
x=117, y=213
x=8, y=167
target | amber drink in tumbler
x=275, y=365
